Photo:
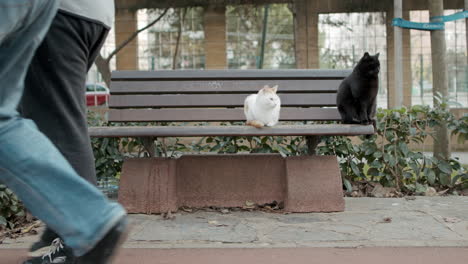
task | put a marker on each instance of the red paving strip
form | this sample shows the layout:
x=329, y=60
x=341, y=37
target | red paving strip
x=414, y=255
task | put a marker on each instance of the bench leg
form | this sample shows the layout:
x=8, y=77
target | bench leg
x=313, y=184
x=148, y=185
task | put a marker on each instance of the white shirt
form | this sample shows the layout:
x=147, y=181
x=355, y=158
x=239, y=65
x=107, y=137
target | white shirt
x=98, y=10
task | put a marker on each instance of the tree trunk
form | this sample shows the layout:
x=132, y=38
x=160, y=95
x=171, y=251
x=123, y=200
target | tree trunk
x=439, y=79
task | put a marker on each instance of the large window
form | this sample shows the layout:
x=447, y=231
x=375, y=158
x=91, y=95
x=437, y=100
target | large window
x=344, y=37
x=244, y=25
x=421, y=61
x=157, y=46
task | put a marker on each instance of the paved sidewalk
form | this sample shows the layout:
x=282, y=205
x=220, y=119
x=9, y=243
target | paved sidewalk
x=427, y=223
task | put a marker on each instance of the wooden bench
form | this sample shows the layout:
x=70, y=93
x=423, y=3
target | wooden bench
x=155, y=185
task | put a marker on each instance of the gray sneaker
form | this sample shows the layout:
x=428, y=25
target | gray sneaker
x=57, y=252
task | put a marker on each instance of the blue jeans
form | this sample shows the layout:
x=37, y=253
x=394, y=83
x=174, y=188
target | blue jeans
x=30, y=165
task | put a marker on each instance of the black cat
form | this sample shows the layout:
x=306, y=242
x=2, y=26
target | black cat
x=357, y=95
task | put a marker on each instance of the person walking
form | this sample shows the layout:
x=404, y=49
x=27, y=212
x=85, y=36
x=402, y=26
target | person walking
x=55, y=87
x=30, y=165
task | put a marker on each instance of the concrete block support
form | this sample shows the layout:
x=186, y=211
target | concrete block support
x=313, y=184
x=304, y=184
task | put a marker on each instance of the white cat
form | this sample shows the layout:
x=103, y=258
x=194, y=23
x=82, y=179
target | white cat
x=263, y=108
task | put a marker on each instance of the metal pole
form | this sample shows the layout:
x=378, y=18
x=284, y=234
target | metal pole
x=262, y=47
x=466, y=34
x=398, y=43
x=421, y=79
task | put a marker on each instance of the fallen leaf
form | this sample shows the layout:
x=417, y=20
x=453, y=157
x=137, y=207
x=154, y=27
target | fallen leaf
x=168, y=216
x=249, y=204
x=187, y=209
x=387, y=220
x=430, y=192
x=443, y=192
x=451, y=220
x=31, y=227
x=216, y=223
x=380, y=192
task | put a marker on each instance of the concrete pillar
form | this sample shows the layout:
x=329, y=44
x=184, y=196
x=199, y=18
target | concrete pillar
x=306, y=34
x=439, y=78
x=215, y=38
x=407, y=78
x=397, y=101
x=126, y=24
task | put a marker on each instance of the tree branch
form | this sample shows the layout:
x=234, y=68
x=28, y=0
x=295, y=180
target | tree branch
x=182, y=14
x=103, y=68
x=134, y=35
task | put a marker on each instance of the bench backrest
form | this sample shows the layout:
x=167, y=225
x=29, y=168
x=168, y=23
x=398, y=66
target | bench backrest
x=218, y=95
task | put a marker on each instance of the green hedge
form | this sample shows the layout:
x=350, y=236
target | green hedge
x=385, y=157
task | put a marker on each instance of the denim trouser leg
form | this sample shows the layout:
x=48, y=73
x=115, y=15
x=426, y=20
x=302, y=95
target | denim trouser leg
x=29, y=163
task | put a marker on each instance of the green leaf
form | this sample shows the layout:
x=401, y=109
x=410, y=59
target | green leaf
x=3, y=221
x=373, y=172
x=369, y=151
x=415, y=168
x=420, y=188
x=403, y=148
x=445, y=167
x=376, y=164
x=407, y=175
x=456, y=178
x=348, y=186
x=377, y=154
x=431, y=176
x=355, y=169
x=444, y=179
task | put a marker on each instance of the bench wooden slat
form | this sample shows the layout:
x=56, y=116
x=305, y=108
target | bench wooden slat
x=230, y=74
x=201, y=131
x=223, y=114
x=221, y=86
x=215, y=100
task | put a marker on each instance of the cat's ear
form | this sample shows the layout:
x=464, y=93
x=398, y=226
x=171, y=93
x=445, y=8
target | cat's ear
x=366, y=55
x=265, y=87
x=274, y=88
x=377, y=55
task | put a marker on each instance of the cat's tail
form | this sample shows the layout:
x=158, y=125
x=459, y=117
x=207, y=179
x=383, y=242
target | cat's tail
x=255, y=123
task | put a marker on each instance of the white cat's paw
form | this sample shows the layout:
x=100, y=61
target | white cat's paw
x=271, y=124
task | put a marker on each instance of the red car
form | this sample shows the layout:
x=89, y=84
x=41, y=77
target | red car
x=96, y=95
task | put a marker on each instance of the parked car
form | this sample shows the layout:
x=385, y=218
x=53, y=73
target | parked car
x=96, y=94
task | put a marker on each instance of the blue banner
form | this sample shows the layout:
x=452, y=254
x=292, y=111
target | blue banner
x=400, y=22
x=456, y=16
x=437, y=23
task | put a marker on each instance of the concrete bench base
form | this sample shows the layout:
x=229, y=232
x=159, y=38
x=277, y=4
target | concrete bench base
x=304, y=184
